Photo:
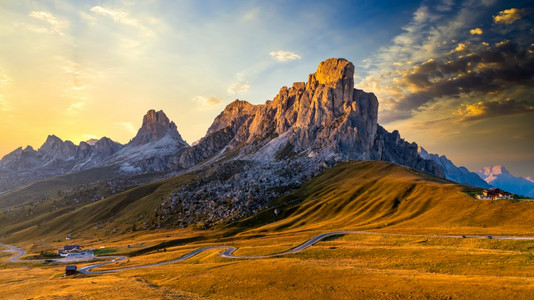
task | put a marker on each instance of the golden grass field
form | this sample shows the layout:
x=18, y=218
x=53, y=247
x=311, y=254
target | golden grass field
x=373, y=196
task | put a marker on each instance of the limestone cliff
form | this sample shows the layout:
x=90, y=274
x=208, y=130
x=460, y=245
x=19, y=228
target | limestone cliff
x=325, y=116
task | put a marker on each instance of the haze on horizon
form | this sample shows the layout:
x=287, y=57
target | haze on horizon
x=454, y=76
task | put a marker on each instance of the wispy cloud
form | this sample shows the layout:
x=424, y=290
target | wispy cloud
x=509, y=16
x=75, y=108
x=207, y=102
x=55, y=25
x=128, y=126
x=284, y=56
x=4, y=82
x=238, y=88
x=122, y=17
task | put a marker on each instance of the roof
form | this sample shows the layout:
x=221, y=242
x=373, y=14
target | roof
x=70, y=247
x=71, y=268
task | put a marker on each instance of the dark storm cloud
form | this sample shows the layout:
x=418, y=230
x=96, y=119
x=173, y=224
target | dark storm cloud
x=483, y=110
x=482, y=70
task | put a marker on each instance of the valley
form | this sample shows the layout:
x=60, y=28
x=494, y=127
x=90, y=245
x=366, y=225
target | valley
x=302, y=197
x=417, y=239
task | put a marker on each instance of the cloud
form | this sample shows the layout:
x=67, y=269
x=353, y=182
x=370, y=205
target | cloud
x=476, y=31
x=447, y=64
x=238, y=88
x=128, y=126
x=509, y=16
x=4, y=82
x=482, y=70
x=251, y=15
x=483, y=110
x=75, y=108
x=207, y=102
x=284, y=56
x=122, y=17
x=55, y=24
x=115, y=14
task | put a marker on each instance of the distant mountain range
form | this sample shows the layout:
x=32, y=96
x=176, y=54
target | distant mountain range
x=499, y=177
x=312, y=125
x=155, y=148
x=458, y=174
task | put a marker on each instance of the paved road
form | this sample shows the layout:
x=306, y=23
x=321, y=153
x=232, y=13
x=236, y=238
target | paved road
x=229, y=250
x=14, y=249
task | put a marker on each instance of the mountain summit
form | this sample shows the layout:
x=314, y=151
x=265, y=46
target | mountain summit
x=156, y=126
x=325, y=117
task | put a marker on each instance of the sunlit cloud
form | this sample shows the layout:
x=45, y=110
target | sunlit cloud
x=115, y=14
x=75, y=108
x=238, y=88
x=483, y=110
x=509, y=16
x=446, y=65
x=476, y=31
x=128, y=126
x=4, y=82
x=55, y=24
x=284, y=56
x=122, y=17
x=207, y=102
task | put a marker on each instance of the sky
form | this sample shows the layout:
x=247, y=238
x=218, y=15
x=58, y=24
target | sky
x=454, y=76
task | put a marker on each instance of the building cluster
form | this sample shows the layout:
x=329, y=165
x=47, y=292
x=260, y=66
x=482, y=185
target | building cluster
x=73, y=251
x=494, y=194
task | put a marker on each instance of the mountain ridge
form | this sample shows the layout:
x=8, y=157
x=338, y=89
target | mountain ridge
x=325, y=120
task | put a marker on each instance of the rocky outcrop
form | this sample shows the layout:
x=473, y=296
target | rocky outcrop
x=156, y=126
x=324, y=117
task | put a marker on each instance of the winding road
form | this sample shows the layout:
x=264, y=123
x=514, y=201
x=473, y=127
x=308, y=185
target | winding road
x=229, y=250
x=20, y=252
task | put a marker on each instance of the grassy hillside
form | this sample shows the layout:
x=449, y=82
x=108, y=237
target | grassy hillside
x=50, y=187
x=356, y=195
x=377, y=194
x=115, y=214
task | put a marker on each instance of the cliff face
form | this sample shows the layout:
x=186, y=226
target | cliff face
x=324, y=117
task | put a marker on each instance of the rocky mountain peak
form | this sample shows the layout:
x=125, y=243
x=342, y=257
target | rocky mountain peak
x=155, y=126
x=232, y=114
x=334, y=70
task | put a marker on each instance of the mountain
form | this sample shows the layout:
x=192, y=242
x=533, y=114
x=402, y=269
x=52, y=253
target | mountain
x=530, y=179
x=499, y=177
x=325, y=118
x=458, y=174
x=156, y=147
x=54, y=157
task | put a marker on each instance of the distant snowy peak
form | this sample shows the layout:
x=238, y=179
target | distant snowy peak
x=499, y=177
x=491, y=173
x=458, y=174
x=530, y=179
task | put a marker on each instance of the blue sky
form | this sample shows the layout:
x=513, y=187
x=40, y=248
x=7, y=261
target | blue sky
x=454, y=76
